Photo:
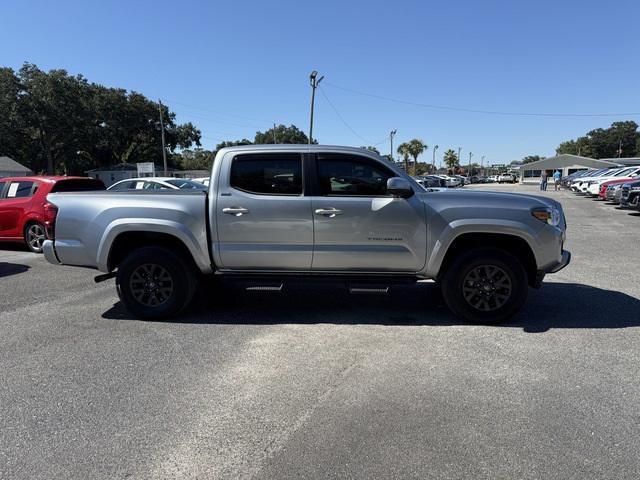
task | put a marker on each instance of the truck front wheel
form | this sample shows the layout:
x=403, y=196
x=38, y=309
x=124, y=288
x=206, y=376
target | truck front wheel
x=485, y=285
x=154, y=282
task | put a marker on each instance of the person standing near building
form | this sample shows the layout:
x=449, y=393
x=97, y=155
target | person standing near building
x=556, y=179
x=543, y=180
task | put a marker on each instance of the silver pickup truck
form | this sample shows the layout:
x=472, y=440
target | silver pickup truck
x=280, y=213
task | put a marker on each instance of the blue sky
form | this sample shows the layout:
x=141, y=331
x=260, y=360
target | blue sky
x=236, y=66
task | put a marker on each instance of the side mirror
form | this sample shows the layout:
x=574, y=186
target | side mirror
x=399, y=187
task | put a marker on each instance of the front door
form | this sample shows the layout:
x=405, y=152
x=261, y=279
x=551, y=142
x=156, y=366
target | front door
x=358, y=226
x=264, y=221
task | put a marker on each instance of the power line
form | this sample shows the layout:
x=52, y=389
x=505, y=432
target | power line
x=345, y=122
x=485, y=112
x=217, y=112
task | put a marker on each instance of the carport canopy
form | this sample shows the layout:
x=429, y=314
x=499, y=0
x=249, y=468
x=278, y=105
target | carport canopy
x=566, y=163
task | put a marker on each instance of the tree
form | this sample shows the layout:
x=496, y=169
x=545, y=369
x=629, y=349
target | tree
x=282, y=134
x=197, y=159
x=233, y=143
x=416, y=148
x=56, y=122
x=404, y=150
x=372, y=149
x=451, y=159
x=605, y=143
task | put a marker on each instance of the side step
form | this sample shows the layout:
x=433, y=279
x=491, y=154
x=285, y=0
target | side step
x=264, y=287
x=372, y=289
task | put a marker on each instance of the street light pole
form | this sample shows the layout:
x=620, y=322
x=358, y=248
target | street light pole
x=314, y=80
x=434, y=158
x=164, y=150
x=392, y=134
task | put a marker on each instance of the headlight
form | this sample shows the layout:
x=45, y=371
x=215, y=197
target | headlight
x=548, y=215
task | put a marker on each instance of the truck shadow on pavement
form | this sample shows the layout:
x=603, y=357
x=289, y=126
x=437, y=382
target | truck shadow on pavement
x=8, y=269
x=555, y=305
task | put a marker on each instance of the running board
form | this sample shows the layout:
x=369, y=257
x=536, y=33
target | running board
x=264, y=288
x=368, y=289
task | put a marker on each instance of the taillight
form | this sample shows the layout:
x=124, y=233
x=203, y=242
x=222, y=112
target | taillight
x=50, y=213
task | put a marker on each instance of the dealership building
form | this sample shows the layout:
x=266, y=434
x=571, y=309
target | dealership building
x=568, y=164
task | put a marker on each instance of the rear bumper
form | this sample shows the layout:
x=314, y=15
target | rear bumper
x=49, y=251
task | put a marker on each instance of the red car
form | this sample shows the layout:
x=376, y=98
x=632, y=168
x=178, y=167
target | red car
x=602, y=194
x=25, y=214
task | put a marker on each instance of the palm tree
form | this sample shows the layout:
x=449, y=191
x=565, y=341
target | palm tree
x=404, y=150
x=450, y=159
x=416, y=148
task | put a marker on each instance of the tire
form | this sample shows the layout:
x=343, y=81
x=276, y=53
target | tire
x=154, y=282
x=34, y=235
x=502, y=272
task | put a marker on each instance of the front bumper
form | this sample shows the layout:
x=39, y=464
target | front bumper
x=566, y=259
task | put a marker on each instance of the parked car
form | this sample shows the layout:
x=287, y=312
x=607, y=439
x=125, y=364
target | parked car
x=202, y=180
x=593, y=187
x=505, y=178
x=451, y=181
x=25, y=214
x=610, y=187
x=463, y=180
x=351, y=217
x=580, y=185
x=429, y=181
x=629, y=194
x=156, y=183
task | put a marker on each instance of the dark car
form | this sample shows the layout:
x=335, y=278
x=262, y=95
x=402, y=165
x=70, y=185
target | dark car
x=629, y=194
x=25, y=214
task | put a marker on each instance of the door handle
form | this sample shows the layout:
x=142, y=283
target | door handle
x=328, y=212
x=235, y=211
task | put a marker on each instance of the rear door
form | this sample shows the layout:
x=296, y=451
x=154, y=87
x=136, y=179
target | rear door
x=358, y=226
x=14, y=203
x=264, y=221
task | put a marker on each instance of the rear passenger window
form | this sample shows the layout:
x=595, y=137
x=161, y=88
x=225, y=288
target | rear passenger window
x=20, y=189
x=268, y=173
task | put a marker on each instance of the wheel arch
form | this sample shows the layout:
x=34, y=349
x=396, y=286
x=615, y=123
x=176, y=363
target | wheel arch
x=116, y=246
x=513, y=244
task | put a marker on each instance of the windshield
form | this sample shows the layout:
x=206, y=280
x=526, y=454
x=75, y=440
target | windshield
x=184, y=184
x=626, y=171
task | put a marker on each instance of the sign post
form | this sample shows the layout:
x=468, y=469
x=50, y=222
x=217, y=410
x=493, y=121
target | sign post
x=146, y=168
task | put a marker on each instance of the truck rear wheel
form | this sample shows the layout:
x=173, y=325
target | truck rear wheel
x=486, y=285
x=154, y=282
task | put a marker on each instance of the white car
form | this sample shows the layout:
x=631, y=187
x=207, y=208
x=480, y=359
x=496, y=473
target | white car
x=451, y=181
x=203, y=180
x=593, y=186
x=504, y=178
x=583, y=183
x=577, y=185
x=156, y=183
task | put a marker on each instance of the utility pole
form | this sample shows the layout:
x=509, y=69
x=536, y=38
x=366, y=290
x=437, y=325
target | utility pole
x=392, y=134
x=459, y=158
x=469, y=169
x=164, y=150
x=274, y=133
x=620, y=149
x=482, y=164
x=314, y=80
x=434, y=158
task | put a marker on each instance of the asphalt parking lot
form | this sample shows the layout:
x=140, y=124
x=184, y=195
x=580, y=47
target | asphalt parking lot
x=309, y=385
